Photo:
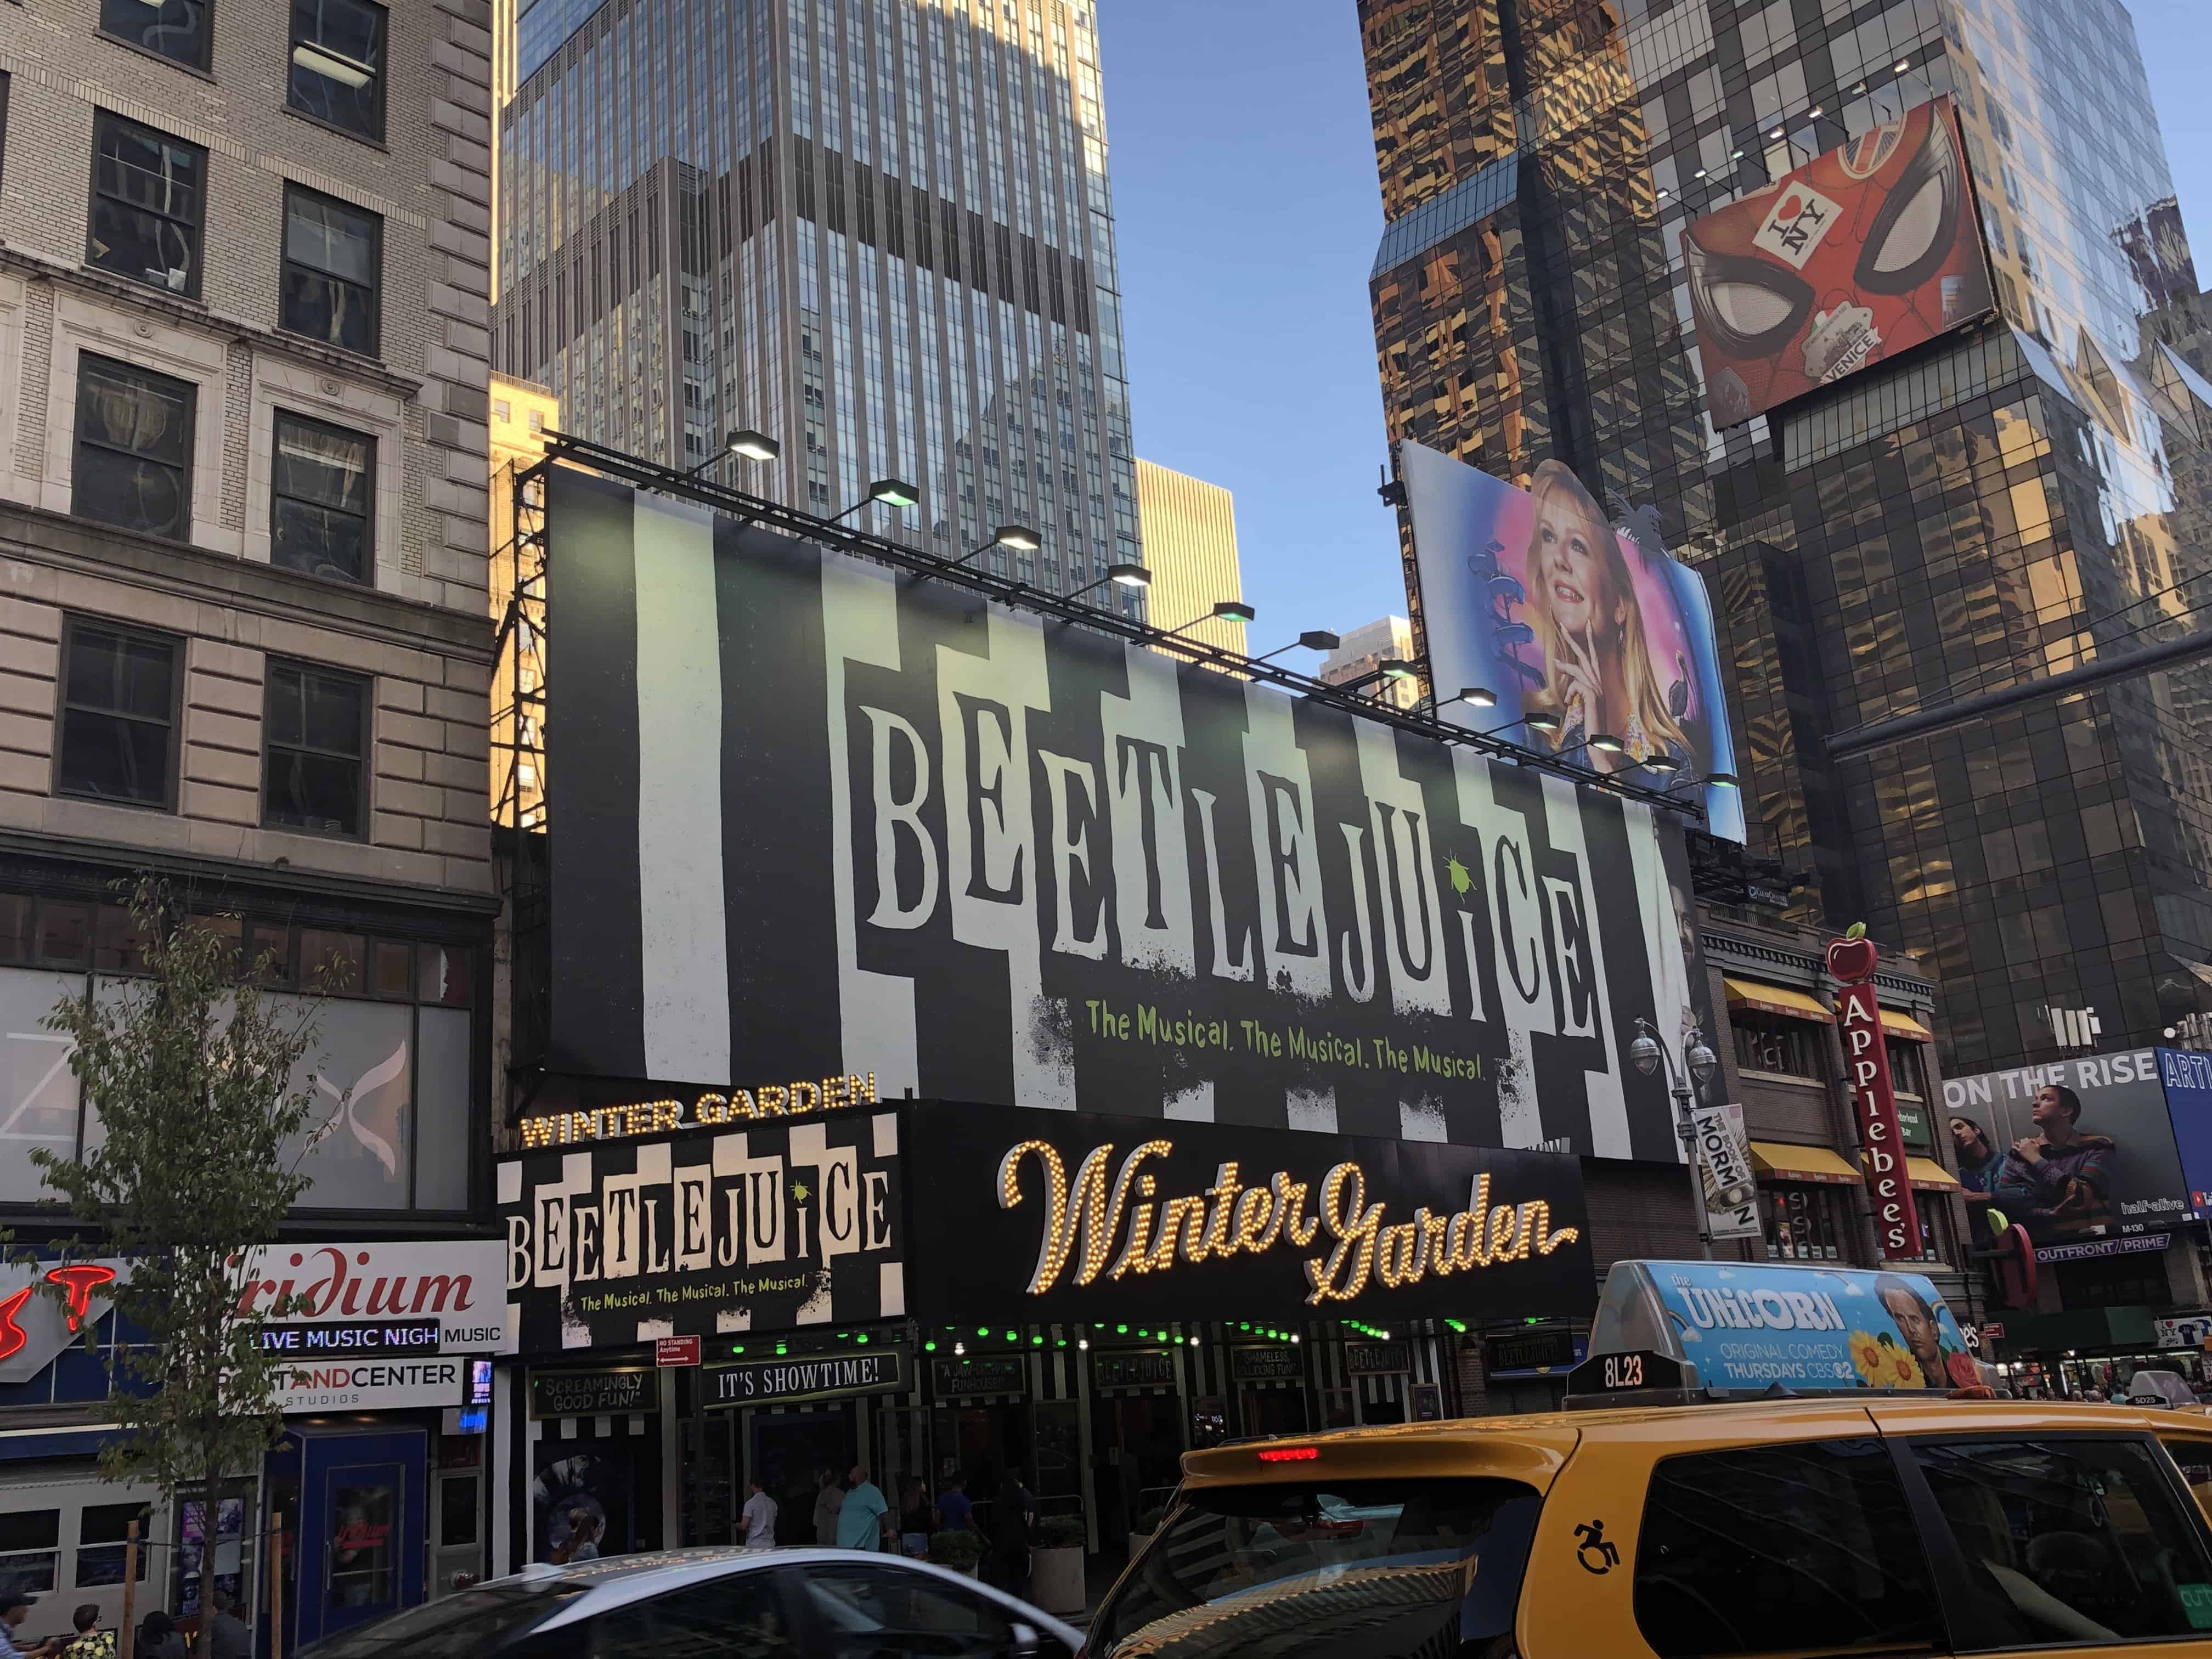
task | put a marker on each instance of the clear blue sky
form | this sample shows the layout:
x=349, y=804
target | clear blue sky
x=1248, y=213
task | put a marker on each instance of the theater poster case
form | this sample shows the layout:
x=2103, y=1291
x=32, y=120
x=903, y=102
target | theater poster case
x=823, y=818
x=712, y=1232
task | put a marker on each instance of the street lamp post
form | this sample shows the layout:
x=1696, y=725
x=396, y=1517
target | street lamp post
x=1649, y=1050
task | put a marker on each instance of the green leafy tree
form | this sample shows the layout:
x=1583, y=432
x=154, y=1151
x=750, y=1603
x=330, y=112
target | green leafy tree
x=190, y=1069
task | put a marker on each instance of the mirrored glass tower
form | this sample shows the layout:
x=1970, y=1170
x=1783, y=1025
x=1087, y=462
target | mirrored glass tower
x=879, y=231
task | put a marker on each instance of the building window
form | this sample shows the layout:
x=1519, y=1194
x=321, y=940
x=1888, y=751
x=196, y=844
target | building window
x=1906, y=1073
x=175, y=29
x=333, y=253
x=337, y=63
x=1770, y=1042
x=134, y=448
x=1802, y=1220
x=30, y=1546
x=1938, y=1240
x=318, y=511
x=118, y=721
x=149, y=199
x=316, y=736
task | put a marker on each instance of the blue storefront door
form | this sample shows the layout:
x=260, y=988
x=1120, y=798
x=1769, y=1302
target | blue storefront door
x=360, y=1540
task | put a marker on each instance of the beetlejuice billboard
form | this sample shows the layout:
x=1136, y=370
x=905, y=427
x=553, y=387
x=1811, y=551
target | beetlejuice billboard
x=1589, y=640
x=816, y=818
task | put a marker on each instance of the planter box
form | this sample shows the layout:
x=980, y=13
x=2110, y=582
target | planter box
x=1056, y=1579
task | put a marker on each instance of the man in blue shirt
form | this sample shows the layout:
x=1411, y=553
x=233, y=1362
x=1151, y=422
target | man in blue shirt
x=15, y=1608
x=953, y=1505
x=864, y=1522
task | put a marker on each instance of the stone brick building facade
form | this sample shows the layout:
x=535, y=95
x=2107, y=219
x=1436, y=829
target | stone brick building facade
x=244, y=641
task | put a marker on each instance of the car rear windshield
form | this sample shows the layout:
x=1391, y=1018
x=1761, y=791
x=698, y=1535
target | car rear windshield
x=1366, y=1568
x=470, y=1626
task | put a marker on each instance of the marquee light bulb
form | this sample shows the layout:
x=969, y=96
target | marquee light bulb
x=960, y=1347
x=1082, y=1344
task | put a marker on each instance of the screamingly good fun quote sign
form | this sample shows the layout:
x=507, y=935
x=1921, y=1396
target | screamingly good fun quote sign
x=826, y=819
x=711, y=1233
x=1075, y=1216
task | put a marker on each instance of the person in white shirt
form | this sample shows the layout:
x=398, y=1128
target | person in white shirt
x=759, y=1519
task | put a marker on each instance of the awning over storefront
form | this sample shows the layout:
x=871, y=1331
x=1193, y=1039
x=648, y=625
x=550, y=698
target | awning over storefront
x=1777, y=1162
x=1930, y=1177
x=1896, y=1023
x=1775, y=999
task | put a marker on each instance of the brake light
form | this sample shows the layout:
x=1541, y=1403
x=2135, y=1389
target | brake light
x=1290, y=1454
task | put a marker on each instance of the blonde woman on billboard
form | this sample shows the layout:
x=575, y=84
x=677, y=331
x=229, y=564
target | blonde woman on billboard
x=1598, y=673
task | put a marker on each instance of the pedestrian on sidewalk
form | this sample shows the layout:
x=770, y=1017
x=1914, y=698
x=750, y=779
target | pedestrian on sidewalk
x=759, y=1518
x=90, y=1642
x=828, y=1503
x=917, y=1519
x=1006, y=1566
x=957, y=1513
x=228, y=1637
x=865, y=1521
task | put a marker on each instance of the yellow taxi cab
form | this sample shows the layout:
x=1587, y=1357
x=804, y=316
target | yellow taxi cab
x=1662, y=1516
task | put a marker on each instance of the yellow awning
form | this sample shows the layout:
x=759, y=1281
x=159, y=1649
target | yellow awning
x=1775, y=999
x=1781, y=1163
x=1896, y=1023
x=1931, y=1176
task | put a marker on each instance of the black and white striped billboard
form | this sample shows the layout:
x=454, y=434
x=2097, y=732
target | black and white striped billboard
x=812, y=817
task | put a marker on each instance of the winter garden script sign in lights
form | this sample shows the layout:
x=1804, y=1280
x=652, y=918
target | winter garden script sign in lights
x=1230, y=1216
x=1087, y=1215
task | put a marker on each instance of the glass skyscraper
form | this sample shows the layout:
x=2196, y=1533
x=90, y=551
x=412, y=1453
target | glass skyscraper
x=880, y=231
x=2010, y=499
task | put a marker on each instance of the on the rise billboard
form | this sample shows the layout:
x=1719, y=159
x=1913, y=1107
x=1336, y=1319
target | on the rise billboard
x=1862, y=254
x=820, y=819
x=1576, y=627
x=2082, y=1150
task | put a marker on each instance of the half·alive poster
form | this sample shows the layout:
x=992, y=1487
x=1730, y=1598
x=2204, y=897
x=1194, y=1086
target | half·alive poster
x=1577, y=633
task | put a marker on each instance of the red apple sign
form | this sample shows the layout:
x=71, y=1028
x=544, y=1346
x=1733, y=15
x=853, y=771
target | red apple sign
x=1852, y=958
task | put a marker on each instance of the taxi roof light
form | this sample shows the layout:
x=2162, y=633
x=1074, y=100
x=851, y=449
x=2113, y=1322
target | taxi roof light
x=1290, y=1454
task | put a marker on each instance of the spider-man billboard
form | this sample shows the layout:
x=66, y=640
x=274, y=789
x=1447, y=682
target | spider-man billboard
x=1858, y=255
x=1559, y=625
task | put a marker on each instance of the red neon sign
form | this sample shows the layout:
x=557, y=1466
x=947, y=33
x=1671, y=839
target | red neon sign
x=12, y=1335
x=81, y=1281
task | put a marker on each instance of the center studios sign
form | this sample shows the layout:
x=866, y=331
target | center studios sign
x=868, y=824
x=772, y=1228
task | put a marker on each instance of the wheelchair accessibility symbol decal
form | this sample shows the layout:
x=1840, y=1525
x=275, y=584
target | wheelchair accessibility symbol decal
x=1596, y=1553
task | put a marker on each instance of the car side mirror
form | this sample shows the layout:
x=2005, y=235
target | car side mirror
x=1028, y=1643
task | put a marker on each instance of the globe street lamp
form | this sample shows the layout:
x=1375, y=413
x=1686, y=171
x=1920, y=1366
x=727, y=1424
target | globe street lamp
x=1649, y=1051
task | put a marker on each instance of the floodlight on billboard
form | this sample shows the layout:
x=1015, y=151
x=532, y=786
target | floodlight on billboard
x=1594, y=644
x=1864, y=253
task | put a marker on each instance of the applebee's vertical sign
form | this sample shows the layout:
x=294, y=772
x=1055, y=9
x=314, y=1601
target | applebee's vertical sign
x=1866, y=1061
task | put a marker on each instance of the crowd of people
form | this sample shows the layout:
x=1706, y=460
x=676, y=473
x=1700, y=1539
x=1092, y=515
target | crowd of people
x=224, y=1634
x=853, y=1514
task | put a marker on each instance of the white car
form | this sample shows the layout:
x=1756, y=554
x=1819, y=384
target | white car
x=714, y=1603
